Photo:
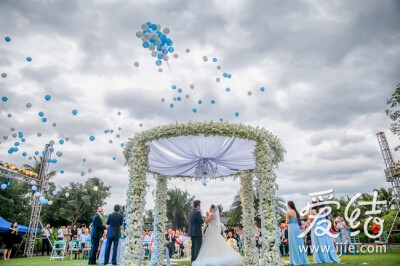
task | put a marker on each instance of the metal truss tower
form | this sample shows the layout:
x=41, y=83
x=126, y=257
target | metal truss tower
x=392, y=172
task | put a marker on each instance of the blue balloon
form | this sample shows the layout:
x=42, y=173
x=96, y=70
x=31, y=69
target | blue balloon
x=54, y=192
x=106, y=131
x=3, y=186
x=212, y=101
x=225, y=75
x=111, y=131
x=173, y=87
x=44, y=153
x=114, y=158
x=160, y=56
x=237, y=114
x=228, y=89
x=180, y=90
x=178, y=98
x=171, y=49
x=204, y=184
x=59, y=154
x=229, y=76
x=61, y=141
x=199, y=101
x=23, y=139
x=194, y=110
x=36, y=153
x=54, y=161
x=171, y=105
x=221, y=119
x=49, y=160
x=29, y=59
x=8, y=39
x=37, y=194
x=34, y=188
x=74, y=112
x=152, y=41
x=24, y=154
x=15, y=149
x=82, y=173
x=51, y=149
x=41, y=114
x=10, y=151
x=16, y=143
x=91, y=138
x=61, y=171
x=148, y=24
x=122, y=145
x=145, y=45
x=262, y=89
x=4, y=98
x=158, y=63
x=215, y=60
x=44, y=119
x=47, y=97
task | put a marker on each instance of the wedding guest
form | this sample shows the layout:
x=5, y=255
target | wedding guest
x=84, y=238
x=324, y=250
x=104, y=237
x=144, y=233
x=147, y=237
x=46, y=239
x=334, y=231
x=170, y=237
x=97, y=232
x=375, y=228
x=10, y=240
x=297, y=254
x=60, y=233
x=345, y=231
x=74, y=232
x=67, y=235
x=179, y=239
x=284, y=244
x=114, y=221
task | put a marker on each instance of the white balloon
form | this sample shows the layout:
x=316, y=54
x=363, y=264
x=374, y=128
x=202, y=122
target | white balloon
x=158, y=27
x=160, y=70
x=144, y=27
x=50, y=202
x=89, y=170
x=39, y=134
x=218, y=67
x=139, y=34
x=218, y=79
x=95, y=188
x=5, y=137
x=66, y=138
x=174, y=99
x=30, y=158
x=152, y=47
x=51, y=142
x=110, y=141
x=118, y=135
x=3, y=75
x=158, y=42
x=54, y=124
x=249, y=93
x=9, y=115
x=175, y=55
x=166, y=57
x=166, y=30
x=187, y=50
x=84, y=159
x=147, y=35
x=136, y=64
x=154, y=54
x=119, y=113
x=28, y=105
x=205, y=58
x=12, y=129
x=119, y=128
x=154, y=35
x=140, y=125
x=187, y=96
x=67, y=194
x=192, y=86
x=162, y=100
x=14, y=135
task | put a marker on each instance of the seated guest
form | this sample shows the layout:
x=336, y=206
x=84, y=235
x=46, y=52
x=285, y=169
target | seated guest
x=229, y=235
x=74, y=232
x=179, y=241
x=84, y=238
x=170, y=237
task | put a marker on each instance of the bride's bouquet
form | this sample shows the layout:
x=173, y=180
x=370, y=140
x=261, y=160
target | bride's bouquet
x=233, y=244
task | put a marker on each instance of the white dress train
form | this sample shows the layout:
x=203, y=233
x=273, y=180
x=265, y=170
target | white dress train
x=215, y=251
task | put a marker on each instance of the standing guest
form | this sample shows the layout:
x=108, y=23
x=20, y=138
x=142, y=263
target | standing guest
x=74, y=232
x=375, y=228
x=104, y=237
x=46, y=239
x=170, y=237
x=179, y=242
x=144, y=233
x=324, y=250
x=60, y=233
x=297, y=254
x=333, y=231
x=84, y=238
x=257, y=236
x=284, y=245
x=96, y=234
x=147, y=237
x=114, y=221
x=67, y=235
x=10, y=238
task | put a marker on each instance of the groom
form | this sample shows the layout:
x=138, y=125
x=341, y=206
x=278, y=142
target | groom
x=195, y=224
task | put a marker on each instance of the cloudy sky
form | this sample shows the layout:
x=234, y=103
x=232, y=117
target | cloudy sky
x=328, y=68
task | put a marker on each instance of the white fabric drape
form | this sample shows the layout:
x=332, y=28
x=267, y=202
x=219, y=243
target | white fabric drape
x=178, y=156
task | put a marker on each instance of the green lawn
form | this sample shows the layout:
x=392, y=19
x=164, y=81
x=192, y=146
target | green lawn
x=387, y=259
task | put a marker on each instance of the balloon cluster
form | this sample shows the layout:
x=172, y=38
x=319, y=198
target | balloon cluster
x=156, y=41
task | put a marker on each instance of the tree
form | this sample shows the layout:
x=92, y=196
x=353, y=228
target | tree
x=36, y=167
x=394, y=112
x=15, y=203
x=79, y=206
x=179, y=205
x=386, y=195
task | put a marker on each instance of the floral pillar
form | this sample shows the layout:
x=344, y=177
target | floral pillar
x=136, y=154
x=270, y=254
x=247, y=199
x=160, y=219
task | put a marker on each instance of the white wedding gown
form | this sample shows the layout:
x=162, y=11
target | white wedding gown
x=215, y=251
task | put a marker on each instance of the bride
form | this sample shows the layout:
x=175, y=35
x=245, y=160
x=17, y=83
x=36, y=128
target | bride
x=215, y=251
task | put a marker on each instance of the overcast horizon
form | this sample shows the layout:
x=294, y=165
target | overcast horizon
x=327, y=69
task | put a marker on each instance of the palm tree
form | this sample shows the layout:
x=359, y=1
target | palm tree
x=178, y=208
x=386, y=195
x=36, y=167
x=280, y=207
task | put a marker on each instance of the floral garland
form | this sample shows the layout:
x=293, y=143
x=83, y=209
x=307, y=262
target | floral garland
x=269, y=239
x=135, y=202
x=160, y=220
x=268, y=153
x=247, y=199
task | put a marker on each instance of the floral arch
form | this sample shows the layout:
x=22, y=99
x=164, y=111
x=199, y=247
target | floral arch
x=145, y=153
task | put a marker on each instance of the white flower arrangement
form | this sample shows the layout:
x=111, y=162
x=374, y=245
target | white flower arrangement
x=268, y=153
x=233, y=244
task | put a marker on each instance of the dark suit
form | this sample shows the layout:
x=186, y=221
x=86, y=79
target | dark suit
x=96, y=234
x=284, y=246
x=195, y=222
x=114, y=232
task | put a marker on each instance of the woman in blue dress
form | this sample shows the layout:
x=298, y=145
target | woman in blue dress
x=297, y=251
x=324, y=250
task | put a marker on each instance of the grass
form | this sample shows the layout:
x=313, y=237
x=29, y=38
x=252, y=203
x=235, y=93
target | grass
x=387, y=259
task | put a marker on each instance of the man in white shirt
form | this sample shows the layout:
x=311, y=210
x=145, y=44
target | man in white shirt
x=60, y=233
x=45, y=240
x=84, y=237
